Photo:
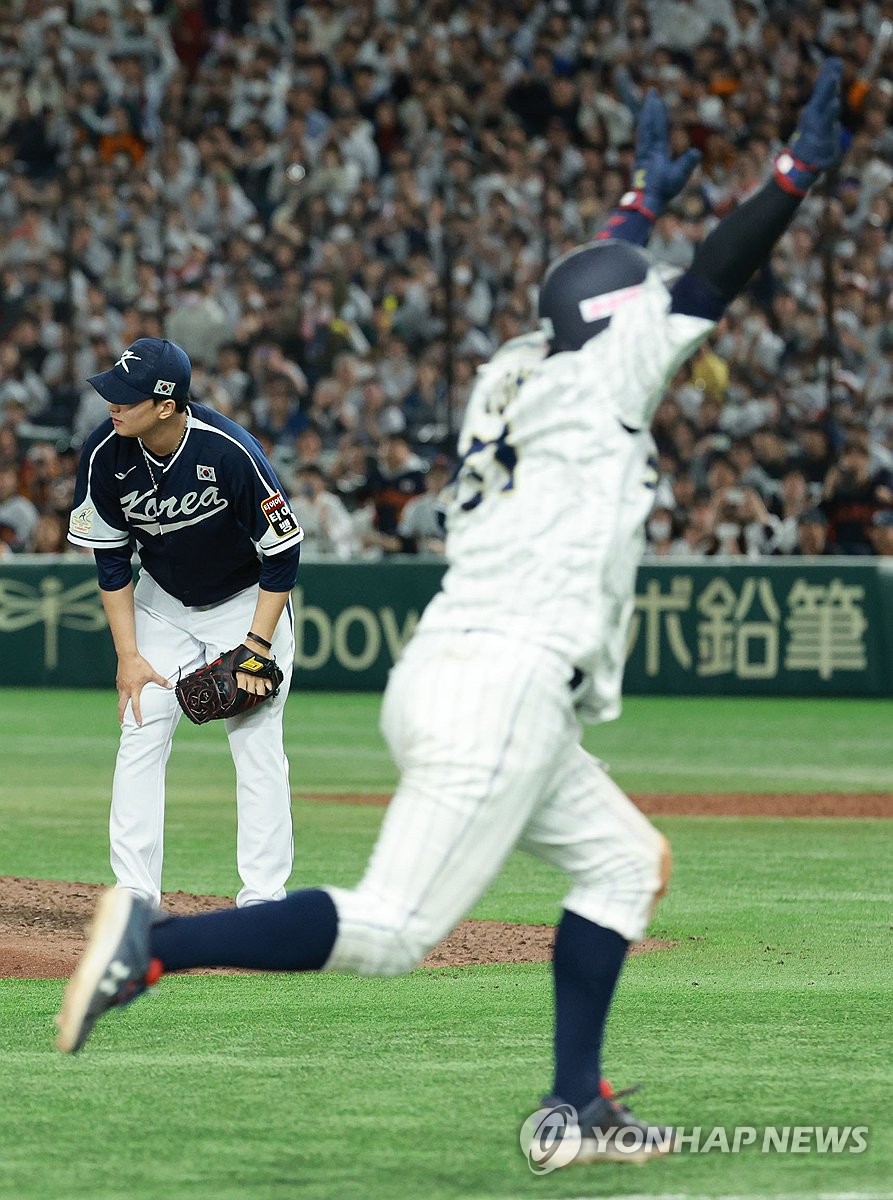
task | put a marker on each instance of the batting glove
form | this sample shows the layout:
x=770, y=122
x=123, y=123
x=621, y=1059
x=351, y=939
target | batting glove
x=816, y=144
x=657, y=178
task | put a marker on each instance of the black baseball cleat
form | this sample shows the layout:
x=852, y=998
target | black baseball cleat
x=604, y=1131
x=116, y=967
x=610, y=1132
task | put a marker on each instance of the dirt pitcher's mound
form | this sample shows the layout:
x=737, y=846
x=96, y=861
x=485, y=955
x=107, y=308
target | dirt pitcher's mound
x=43, y=923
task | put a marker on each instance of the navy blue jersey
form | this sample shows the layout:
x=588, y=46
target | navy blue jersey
x=218, y=511
x=391, y=492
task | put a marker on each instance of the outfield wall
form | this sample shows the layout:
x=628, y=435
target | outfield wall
x=820, y=627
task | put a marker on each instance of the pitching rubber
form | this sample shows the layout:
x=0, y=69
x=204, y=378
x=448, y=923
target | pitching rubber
x=106, y=931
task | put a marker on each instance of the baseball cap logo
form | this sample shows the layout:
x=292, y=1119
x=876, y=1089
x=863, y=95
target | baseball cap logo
x=164, y=387
x=122, y=361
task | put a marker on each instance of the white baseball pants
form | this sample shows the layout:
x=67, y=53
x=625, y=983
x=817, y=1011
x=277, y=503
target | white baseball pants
x=484, y=733
x=174, y=639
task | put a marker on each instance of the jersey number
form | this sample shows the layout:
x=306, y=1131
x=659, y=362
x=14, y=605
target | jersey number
x=488, y=465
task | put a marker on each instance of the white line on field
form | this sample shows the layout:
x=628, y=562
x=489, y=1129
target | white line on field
x=742, y=1196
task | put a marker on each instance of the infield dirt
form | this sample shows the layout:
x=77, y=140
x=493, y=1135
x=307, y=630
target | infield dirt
x=43, y=925
x=43, y=922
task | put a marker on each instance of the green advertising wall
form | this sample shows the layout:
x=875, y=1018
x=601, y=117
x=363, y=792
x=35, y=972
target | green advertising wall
x=783, y=629
x=795, y=627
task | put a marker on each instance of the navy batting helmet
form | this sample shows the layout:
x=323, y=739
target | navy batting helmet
x=583, y=289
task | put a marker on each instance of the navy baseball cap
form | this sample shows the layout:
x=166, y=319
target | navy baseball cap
x=148, y=367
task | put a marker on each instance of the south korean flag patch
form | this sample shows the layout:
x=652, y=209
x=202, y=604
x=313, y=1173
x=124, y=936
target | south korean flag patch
x=280, y=517
x=164, y=387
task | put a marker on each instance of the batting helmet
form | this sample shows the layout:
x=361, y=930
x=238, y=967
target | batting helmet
x=583, y=289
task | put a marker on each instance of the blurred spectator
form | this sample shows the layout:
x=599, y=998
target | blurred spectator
x=48, y=479
x=350, y=474
x=328, y=529
x=20, y=382
x=306, y=449
x=199, y=323
x=730, y=520
x=789, y=506
x=422, y=524
x=10, y=449
x=660, y=530
x=853, y=493
x=396, y=476
x=815, y=454
x=51, y=535
x=230, y=373
x=278, y=415
x=424, y=405
x=18, y=516
x=696, y=539
x=881, y=533
x=812, y=534
x=758, y=523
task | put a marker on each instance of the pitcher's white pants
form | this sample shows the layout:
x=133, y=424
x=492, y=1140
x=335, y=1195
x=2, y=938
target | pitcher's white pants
x=174, y=638
x=483, y=731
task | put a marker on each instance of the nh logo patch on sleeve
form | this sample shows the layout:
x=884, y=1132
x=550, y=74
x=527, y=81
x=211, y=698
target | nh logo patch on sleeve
x=279, y=515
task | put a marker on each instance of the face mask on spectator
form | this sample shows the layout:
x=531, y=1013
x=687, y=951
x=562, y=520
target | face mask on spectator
x=658, y=530
x=727, y=531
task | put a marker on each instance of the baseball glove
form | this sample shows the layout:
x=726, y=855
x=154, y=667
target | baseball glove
x=211, y=693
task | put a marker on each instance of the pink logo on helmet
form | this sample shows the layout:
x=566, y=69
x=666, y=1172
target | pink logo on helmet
x=594, y=308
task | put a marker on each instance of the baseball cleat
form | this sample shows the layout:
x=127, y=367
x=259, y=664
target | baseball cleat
x=610, y=1132
x=116, y=967
x=602, y=1131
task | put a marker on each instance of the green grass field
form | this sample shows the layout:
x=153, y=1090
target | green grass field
x=775, y=1008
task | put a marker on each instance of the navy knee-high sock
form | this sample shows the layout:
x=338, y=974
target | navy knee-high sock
x=586, y=963
x=294, y=934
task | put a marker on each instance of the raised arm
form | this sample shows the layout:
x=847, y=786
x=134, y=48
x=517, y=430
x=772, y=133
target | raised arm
x=743, y=240
x=657, y=177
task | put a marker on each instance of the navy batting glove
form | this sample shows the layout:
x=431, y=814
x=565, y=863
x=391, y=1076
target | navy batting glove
x=816, y=144
x=657, y=178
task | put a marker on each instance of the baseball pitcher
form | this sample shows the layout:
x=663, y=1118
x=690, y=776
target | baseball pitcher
x=208, y=628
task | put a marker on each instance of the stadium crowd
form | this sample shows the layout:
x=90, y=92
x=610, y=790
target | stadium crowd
x=339, y=209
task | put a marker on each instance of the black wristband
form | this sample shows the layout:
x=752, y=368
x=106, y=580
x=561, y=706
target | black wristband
x=262, y=641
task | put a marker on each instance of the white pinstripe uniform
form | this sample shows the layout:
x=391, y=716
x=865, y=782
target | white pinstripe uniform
x=544, y=538
x=218, y=513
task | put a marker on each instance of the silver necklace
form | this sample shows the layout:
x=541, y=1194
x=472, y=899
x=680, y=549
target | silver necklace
x=173, y=452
